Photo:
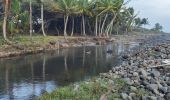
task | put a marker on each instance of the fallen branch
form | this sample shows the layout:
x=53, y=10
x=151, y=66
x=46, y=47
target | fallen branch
x=158, y=66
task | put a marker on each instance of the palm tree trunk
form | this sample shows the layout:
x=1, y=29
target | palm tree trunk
x=84, y=28
x=99, y=27
x=5, y=19
x=110, y=25
x=101, y=32
x=96, y=25
x=31, y=20
x=72, y=32
x=42, y=18
x=65, y=26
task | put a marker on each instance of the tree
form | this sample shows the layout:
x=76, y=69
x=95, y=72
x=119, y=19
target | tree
x=7, y=3
x=30, y=19
x=83, y=6
x=65, y=7
x=137, y=22
x=158, y=27
x=42, y=17
x=144, y=21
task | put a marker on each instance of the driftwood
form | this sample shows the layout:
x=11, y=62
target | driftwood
x=158, y=66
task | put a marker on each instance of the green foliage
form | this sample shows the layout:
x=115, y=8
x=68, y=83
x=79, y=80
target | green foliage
x=93, y=90
x=157, y=27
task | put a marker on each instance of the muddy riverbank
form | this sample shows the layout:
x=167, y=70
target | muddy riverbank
x=23, y=46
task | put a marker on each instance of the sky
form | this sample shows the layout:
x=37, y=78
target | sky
x=157, y=11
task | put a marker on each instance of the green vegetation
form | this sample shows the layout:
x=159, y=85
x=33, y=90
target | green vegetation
x=93, y=90
x=83, y=17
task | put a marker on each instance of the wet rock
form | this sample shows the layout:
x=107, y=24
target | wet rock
x=64, y=45
x=52, y=42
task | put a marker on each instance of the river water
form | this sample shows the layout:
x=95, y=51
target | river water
x=24, y=77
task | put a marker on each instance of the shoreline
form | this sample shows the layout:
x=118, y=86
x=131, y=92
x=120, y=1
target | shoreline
x=134, y=76
x=54, y=43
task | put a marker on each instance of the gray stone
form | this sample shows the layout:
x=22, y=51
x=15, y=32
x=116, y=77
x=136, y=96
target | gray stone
x=124, y=96
x=163, y=90
x=152, y=87
x=163, y=56
x=160, y=98
x=145, y=83
x=153, y=81
x=135, y=74
x=145, y=98
x=133, y=95
x=168, y=83
x=128, y=81
x=143, y=73
x=155, y=73
x=133, y=88
x=152, y=98
x=167, y=96
x=166, y=78
x=168, y=90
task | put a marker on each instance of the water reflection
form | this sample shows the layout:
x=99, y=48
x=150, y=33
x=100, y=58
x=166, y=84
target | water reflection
x=28, y=76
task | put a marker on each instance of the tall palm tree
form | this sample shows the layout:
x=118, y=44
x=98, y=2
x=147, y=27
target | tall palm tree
x=6, y=11
x=42, y=17
x=66, y=8
x=111, y=7
x=84, y=7
x=31, y=29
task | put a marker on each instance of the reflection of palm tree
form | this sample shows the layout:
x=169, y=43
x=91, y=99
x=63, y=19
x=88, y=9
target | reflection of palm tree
x=7, y=79
x=43, y=73
x=96, y=56
x=65, y=63
x=32, y=75
x=73, y=56
x=84, y=56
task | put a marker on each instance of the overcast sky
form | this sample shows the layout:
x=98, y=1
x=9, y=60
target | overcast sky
x=155, y=11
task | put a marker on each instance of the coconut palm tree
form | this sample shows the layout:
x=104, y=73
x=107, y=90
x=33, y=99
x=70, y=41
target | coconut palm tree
x=42, y=17
x=6, y=11
x=66, y=8
x=30, y=19
x=84, y=7
x=109, y=7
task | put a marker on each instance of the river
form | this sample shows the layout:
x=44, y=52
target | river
x=25, y=77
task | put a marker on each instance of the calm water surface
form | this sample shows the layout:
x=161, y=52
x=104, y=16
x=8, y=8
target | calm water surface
x=24, y=77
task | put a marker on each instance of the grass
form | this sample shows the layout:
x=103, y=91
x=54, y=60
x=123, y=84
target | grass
x=93, y=90
x=38, y=41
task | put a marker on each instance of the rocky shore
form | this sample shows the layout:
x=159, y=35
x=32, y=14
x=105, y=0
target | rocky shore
x=146, y=67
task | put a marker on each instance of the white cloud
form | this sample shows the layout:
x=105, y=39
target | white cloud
x=154, y=10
